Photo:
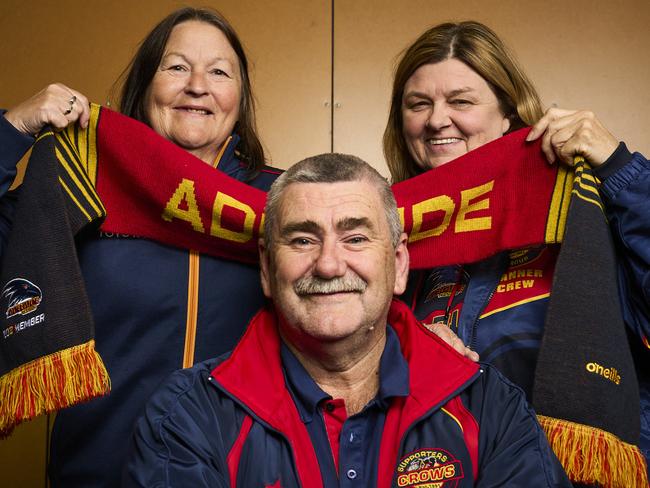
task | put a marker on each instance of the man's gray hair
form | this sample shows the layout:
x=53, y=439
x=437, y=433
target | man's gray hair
x=331, y=168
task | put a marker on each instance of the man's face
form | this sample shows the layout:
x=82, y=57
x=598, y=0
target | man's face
x=332, y=269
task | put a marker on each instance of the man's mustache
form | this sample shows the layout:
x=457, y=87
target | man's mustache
x=309, y=285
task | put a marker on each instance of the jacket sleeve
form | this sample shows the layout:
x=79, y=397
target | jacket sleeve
x=177, y=442
x=13, y=145
x=513, y=450
x=625, y=189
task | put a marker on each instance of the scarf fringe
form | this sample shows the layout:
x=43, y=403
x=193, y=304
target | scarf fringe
x=49, y=383
x=594, y=456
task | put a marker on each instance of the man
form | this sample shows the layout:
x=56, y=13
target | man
x=320, y=391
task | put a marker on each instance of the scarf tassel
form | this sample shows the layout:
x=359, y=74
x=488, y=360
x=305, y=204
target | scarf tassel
x=49, y=383
x=594, y=456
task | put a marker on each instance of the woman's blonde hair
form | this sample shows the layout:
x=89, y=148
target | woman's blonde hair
x=478, y=47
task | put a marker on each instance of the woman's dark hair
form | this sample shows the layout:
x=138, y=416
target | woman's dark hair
x=142, y=68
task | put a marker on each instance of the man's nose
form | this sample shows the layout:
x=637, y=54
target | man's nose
x=330, y=262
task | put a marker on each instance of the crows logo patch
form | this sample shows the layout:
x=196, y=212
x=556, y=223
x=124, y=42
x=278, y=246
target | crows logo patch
x=429, y=468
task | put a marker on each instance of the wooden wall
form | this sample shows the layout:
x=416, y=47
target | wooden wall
x=581, y=54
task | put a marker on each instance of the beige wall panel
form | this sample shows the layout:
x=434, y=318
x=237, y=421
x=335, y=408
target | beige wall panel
x=289, y=45
x=87, y=44
x=580, y=54
x=23, y=456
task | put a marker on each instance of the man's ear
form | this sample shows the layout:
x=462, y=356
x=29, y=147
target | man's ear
x=265, y=272
x=401, y=265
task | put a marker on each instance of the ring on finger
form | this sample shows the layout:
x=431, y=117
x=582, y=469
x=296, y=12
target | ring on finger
x=71, y=102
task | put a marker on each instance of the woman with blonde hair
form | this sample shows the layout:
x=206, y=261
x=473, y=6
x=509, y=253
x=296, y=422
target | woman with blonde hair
x=477, y=47
x=456, y=88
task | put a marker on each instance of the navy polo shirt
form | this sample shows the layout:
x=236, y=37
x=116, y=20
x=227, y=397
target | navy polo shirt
x=347, y=448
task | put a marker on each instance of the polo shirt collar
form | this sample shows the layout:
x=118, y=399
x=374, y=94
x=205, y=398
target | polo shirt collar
x=393, y=378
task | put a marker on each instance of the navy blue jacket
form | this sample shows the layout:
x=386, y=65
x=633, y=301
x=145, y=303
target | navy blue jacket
x=138, y=291
x=500, y=303
x=232, y=422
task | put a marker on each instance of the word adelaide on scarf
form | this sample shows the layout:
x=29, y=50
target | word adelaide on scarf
x=430, y=218
x=152, y=188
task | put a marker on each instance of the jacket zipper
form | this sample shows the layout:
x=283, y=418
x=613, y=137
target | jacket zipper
x=193, y=289
x=478, y=318
x=192, y=309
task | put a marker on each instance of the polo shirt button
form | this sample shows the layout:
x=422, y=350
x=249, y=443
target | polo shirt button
x=352, y=474
x=329, y=407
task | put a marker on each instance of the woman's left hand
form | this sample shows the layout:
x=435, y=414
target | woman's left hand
x=569, y=133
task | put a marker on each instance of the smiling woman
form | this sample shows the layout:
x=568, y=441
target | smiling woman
x=193, y=99
x=155, y=308
x=456, y=82
x=448, y=118
x=196, y=55
x=456, y=88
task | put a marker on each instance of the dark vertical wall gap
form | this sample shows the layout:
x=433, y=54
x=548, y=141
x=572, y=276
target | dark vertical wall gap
x=332, y=82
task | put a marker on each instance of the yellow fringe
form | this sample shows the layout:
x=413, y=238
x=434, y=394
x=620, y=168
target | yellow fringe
x=49, y=383
x=594, y=456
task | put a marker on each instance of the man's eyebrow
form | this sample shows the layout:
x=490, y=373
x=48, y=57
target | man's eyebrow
x=308, y=226
x=311, y=227
x=351, y=223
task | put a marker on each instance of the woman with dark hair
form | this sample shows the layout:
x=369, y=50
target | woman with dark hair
x=456, y=88
x=156, y=308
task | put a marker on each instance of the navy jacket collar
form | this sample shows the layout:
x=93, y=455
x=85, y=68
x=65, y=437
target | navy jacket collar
x=229, y=163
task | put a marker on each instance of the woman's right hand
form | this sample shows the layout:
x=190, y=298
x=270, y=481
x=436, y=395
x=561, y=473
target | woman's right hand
x=56, y=105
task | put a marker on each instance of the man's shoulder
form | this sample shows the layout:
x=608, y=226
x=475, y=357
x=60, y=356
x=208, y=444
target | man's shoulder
x=494, y=378
x=495, y=386
x=184, y=387
x=493, y=397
